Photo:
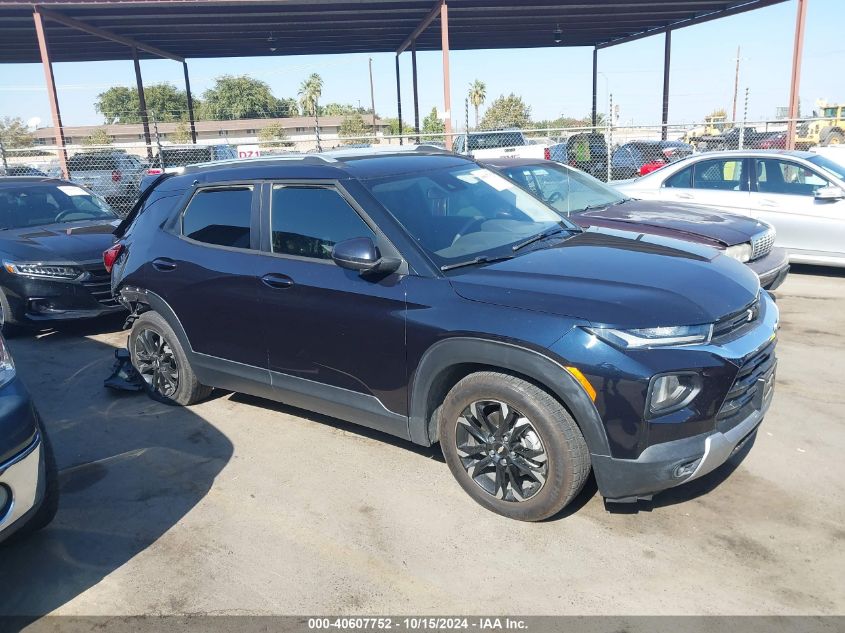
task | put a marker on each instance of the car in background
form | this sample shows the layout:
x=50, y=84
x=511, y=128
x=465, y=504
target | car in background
x=494, y=143
x=588, y=202
x=20, y=170
x=586, y=151
x=111, y=174
x=29, y=487
x=775, y=140
x=801, y=194
x=638, y=158
x=424, y=295
x=52, y=235
x=172, y=159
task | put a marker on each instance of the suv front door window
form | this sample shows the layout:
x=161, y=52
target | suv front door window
x=342, y=331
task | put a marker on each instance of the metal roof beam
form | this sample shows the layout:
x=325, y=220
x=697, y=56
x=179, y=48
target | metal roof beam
x=700, y=19
x=108, y=35
x=422, y=26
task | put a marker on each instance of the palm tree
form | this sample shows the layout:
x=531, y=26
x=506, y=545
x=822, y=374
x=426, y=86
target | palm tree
x=309, y=98
x=477, y=95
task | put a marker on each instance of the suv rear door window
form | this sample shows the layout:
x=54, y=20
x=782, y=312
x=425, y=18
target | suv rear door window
x=309, y=221
x=219, y=216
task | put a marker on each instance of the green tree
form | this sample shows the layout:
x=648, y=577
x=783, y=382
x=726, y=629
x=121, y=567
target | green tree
x=393, y=126
x=340, y=109
x=507, y=112
x=309, y=95
x=182, y=134
x=273, y=135
x=165, y=103
x=352, y=129
x=241, y=97
x=477, y=96
x=432, y=125
x=98, y=137
x=14, y=133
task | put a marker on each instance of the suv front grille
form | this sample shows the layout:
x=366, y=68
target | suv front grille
x=737, y=322
x=99, y=284
x=746, y=394
x=762, y=243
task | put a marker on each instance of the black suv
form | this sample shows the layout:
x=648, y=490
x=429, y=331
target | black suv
x=423, y=295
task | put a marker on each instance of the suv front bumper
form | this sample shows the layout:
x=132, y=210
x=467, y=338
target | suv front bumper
x=658, y=467
x=23, y=481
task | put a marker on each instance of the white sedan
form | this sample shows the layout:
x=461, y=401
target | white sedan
x=801, y=193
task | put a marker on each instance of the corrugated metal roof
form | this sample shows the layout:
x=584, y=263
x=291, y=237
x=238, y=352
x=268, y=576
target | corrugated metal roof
x=246, y=28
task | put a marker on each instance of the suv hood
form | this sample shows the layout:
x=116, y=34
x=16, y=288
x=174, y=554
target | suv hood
x=64, y=242
x=668, y=218
x=616, y=278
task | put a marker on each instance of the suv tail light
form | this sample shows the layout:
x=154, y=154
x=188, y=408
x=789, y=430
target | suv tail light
x=116, y=175
x=154, y=171
x=110, y=256
x=547, y=153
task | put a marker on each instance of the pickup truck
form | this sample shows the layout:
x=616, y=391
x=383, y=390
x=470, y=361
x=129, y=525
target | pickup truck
x=499, y=144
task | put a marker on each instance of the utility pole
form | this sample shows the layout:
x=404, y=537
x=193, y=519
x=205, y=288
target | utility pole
x=736, y=86
x=372, y=98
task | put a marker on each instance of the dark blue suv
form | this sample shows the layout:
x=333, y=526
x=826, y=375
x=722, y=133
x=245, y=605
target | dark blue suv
x=423, y=295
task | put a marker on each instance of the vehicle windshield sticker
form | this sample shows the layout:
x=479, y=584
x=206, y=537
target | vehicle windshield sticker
x=73, y=191
x=499, y=183
x=541, y=172
x=468, y=179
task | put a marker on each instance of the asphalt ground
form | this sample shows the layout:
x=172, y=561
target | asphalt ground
x=243, y=506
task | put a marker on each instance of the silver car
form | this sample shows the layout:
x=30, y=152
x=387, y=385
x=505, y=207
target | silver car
x=801, y=193
x=113, y=175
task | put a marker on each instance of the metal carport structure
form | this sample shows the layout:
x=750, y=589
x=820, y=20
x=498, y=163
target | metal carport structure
x=99, y=30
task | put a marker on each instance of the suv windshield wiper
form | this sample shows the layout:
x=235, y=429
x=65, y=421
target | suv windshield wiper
x=482, y=259
x=538, y=237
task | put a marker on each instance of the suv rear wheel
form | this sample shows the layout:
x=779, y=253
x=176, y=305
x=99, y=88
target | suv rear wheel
x=162, y=363
x=512, y=447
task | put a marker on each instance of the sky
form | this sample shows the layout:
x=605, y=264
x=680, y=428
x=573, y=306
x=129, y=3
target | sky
x=554, y=81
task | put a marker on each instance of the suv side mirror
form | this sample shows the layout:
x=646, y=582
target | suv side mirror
x=829, y=193
x=361, y=254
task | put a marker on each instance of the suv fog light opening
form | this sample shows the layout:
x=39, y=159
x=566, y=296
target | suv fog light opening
x=671, y=392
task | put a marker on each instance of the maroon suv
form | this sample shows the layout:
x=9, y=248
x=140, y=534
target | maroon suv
x=589, y=202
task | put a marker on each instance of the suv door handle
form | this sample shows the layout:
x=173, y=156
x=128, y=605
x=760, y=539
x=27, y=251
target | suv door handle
x=277, y=281
x=768, y=203
x=685, y=196
x=164, y=264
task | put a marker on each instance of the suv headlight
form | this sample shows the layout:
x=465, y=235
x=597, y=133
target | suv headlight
x=671, y=392
x=740, y=252
x=656, y=336
x=7, y=366
x=43, y=271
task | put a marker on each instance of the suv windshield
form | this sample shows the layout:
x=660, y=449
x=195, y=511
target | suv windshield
x=94, y=161
x=184, y=156
x=567, y=190
x=39, y=204
x=460, y=213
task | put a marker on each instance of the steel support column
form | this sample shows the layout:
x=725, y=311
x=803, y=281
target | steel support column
x=416, y=94
x=190, y=104
x=399, y=98
x=447, y=90
x=56, y=114
x=142, y=102
x=795, y=82
x=667, y=60
x=595, y=86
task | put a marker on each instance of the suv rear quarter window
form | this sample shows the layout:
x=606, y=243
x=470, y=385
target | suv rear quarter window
x=220, y=216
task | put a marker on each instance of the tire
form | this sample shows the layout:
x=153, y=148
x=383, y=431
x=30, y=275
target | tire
x=162, y=363
x=50, y=502
x=552, y=446
x=9, y=323
x=834, y=137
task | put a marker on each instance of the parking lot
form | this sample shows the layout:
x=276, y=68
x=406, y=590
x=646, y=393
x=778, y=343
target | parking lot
x=239, y=506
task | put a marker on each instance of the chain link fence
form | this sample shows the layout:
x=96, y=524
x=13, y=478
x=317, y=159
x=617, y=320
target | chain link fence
x=117, y=171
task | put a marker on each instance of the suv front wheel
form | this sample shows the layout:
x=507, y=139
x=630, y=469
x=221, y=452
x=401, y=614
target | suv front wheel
x=162, y=363
x=512, y=446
